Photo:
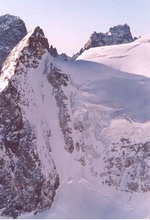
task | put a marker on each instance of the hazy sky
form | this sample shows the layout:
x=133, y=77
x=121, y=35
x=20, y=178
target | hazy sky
x=69, y=23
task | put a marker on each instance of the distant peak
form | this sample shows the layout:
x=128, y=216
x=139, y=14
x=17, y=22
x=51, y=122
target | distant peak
x=8, y=19
x=38, y=32
x=8, y=16
x=126, y=25
x=12, y=31
x=123, y=29
x=119, y=34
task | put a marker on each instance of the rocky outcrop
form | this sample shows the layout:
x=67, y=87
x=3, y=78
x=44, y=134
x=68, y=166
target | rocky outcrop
x=130, y=162
x=12, y=30
x=64, y=57
x=53, y=51
x=119, y=34
x=58, y=80
x=26, y=183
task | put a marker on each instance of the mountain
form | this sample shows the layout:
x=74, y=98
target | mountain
x=12, y=30
x=119, y=34
x=74, y=136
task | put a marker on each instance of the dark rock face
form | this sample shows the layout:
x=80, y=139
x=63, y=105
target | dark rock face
x=53, y=51
x=129, y=162
x=58, y=80
x=12, y=30
x=24, y=185
x=117, y=35
x=38, y=42
x=32, y=54
x=24, y=188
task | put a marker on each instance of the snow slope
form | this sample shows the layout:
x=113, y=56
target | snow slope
x=77, y=198
x=132, y=57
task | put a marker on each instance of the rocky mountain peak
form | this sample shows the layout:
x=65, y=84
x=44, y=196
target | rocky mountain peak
x=37, y=40
x=121, y=31
x=12, y=30
x=27, y=54
x=119, y=34
x=8, y=19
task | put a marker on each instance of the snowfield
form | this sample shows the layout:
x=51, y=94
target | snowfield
x=77, y=198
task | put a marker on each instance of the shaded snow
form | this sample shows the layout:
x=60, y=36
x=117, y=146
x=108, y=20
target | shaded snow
x=77, y=198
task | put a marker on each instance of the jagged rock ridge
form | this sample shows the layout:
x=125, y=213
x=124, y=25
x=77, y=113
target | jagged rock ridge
x=12, y=30
x=119, y=34
x=62, y=56
x=53, y=51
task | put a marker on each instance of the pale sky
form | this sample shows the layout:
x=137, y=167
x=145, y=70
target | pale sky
x=68, y=24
